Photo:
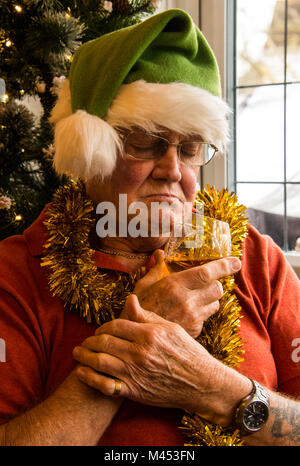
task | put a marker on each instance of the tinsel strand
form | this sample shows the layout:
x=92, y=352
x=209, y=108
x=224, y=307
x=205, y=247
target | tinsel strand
x=74, y=277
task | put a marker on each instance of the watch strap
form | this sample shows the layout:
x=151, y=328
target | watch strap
x=258, y=393
x=261, y=393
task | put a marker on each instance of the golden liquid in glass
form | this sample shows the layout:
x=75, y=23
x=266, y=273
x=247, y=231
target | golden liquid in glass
x=176, y=265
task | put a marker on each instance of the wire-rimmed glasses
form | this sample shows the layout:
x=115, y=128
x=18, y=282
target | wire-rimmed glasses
x=147, y=146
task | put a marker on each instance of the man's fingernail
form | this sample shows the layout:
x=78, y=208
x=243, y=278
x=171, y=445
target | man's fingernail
x=235, y=264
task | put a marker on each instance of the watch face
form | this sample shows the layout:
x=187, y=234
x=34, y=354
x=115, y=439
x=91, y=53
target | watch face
x=255, y=415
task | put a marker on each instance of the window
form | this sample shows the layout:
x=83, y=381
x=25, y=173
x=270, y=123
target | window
x=264, y=90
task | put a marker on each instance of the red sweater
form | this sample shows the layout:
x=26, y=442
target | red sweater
x=40, y=335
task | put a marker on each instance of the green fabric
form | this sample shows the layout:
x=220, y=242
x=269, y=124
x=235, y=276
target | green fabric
x=165, y=48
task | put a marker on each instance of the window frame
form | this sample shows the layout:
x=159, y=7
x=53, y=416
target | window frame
x=191, y=7
x=212, y=23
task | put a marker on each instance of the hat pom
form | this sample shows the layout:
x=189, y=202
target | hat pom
x=85, y=146
x=63, y=106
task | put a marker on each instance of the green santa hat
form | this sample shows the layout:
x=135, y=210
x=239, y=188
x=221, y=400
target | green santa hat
x=158, y=73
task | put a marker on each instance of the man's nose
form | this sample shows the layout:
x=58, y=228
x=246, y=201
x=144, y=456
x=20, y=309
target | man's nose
x=168, y=166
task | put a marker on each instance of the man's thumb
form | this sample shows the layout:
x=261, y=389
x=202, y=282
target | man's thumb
x=136, y=313
x=157, y=272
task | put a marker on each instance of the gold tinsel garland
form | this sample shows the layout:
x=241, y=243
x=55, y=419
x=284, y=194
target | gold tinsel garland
x=100, y=296
x=95, y=296
x=220, y=333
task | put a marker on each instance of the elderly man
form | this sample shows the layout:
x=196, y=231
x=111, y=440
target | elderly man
x=139, y=114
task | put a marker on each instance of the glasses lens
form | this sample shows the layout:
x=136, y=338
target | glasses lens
x=196, y=153
x=144, y=145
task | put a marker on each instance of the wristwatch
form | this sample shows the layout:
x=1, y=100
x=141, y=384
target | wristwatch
x=253, y=411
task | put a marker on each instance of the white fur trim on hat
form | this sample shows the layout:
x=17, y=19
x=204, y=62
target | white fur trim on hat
x=178, y=107
x=86, y=145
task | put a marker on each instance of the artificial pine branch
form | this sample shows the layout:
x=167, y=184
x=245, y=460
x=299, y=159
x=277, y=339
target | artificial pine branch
x=54, y=37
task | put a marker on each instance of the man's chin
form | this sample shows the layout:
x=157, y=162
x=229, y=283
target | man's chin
x=152, y=243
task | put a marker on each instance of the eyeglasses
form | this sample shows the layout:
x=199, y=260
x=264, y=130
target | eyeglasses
x=147, y=146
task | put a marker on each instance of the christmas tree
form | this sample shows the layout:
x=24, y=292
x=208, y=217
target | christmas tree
x=37, y=42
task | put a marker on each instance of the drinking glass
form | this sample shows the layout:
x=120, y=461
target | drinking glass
x=202, y=240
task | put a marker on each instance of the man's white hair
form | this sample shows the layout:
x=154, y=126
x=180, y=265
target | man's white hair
x=86, y=145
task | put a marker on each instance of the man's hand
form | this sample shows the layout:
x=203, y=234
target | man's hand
x=158, y=363
x=188, y=297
